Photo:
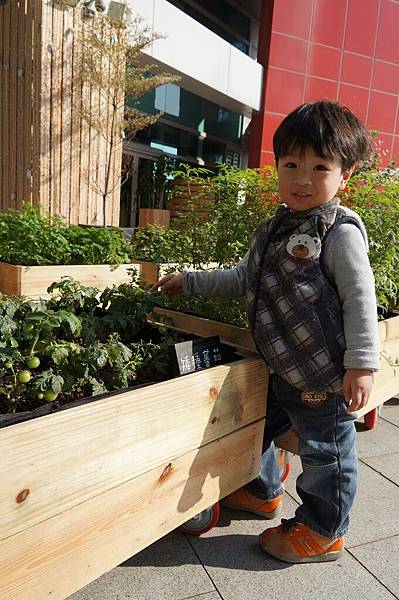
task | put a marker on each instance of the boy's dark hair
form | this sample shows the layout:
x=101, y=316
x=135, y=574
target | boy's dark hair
x=330, y=129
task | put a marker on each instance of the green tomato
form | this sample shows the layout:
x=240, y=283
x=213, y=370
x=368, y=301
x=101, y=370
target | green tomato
x=40, y=396
x=50, y=395
x=33, y=362
x=8, y=365
x=28, y=327
x=24, y=376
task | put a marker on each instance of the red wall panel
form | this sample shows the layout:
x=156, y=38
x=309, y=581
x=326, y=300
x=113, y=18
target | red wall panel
x=318, y=49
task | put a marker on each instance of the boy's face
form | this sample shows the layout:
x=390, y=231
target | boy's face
x=308, y=180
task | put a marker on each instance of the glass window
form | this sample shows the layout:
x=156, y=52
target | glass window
x=170, y=139
x=167, y=99
x=194, y=112
x=236, y=21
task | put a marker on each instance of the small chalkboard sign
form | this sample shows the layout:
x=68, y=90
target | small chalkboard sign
x=202, y=353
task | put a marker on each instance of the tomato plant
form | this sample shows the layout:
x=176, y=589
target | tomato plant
x=78, y=344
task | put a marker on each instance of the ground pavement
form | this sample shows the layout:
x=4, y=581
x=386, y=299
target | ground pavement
x=227, y=564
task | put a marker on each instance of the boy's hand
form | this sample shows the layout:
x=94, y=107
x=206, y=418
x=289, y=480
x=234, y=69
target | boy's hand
x=171, y=284
x=357, y=388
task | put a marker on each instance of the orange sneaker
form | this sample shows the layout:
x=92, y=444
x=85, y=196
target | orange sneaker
x=242, y=500
x=293, y=542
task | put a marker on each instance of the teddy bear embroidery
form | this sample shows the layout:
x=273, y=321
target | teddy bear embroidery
x=304, y=246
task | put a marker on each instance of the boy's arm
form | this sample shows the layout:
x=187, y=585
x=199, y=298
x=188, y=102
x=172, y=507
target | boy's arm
x=225, y=283
x=347, y=262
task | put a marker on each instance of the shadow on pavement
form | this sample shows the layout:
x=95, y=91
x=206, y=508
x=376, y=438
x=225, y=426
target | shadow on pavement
x=238, y=551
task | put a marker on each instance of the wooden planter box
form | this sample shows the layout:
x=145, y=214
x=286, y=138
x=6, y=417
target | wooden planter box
x=154, y=216
x=386, y=381
x=88, y=487
x=151, y=271
x=20, y=280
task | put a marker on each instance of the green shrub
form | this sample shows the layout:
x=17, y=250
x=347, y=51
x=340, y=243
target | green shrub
x=222, y=211
x=160, y=244
x=374, y=195
x=28, y=237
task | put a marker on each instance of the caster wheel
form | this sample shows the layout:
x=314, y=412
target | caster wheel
x=202, y=522
x=283, y=464
x=370, y=418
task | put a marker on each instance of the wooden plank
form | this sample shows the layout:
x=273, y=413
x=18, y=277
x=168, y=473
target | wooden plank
x=42, y=75
x=10, y=279
x=114, y=213
x=79, y=453
x=56, y=110
x=75, y=123
x=392, y=328
x=103, y=106
x=60, y=555
x=84, y=216
x=12, y=172
x=149, y=271
x=5, y=142
x=34, y=281
x=28, y=104
x=228, y=333
x=95, y=210
x=66, y=111
x=20, y=107
x=154, y=216
x=2, y=117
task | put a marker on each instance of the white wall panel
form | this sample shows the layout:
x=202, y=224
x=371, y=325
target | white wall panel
x=208, y=65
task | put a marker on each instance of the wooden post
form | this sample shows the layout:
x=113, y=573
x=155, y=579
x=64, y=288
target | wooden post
x=44, y=146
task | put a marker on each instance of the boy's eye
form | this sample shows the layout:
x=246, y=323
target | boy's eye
x=290, y=165
x=321, y=168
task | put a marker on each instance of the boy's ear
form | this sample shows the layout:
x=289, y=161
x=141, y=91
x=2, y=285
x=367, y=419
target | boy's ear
x=345, y=176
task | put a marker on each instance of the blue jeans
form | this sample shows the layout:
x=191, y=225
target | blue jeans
x=327, y=437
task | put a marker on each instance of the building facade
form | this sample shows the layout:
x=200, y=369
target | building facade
x=244, y=64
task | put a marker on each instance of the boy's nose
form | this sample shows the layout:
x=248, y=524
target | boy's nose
x=303, y=179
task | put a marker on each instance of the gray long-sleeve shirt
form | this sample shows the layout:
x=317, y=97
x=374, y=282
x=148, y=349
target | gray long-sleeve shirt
x=347, y=263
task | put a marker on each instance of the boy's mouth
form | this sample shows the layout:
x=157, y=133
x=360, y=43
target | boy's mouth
x=301, y=194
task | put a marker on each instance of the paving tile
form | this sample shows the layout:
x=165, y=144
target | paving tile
x=241, y=570
x=375, y=513
x=166, y=570
x=390, y=411
x=381, y=559
x=383, y=439
x=386, y=464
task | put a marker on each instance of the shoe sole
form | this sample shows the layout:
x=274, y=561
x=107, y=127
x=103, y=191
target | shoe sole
x=259, y=513
x=328, y=557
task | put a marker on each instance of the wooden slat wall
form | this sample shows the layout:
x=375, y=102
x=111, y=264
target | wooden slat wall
x=45, y=149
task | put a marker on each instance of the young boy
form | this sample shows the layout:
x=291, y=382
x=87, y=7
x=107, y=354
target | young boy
x=312, y=314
